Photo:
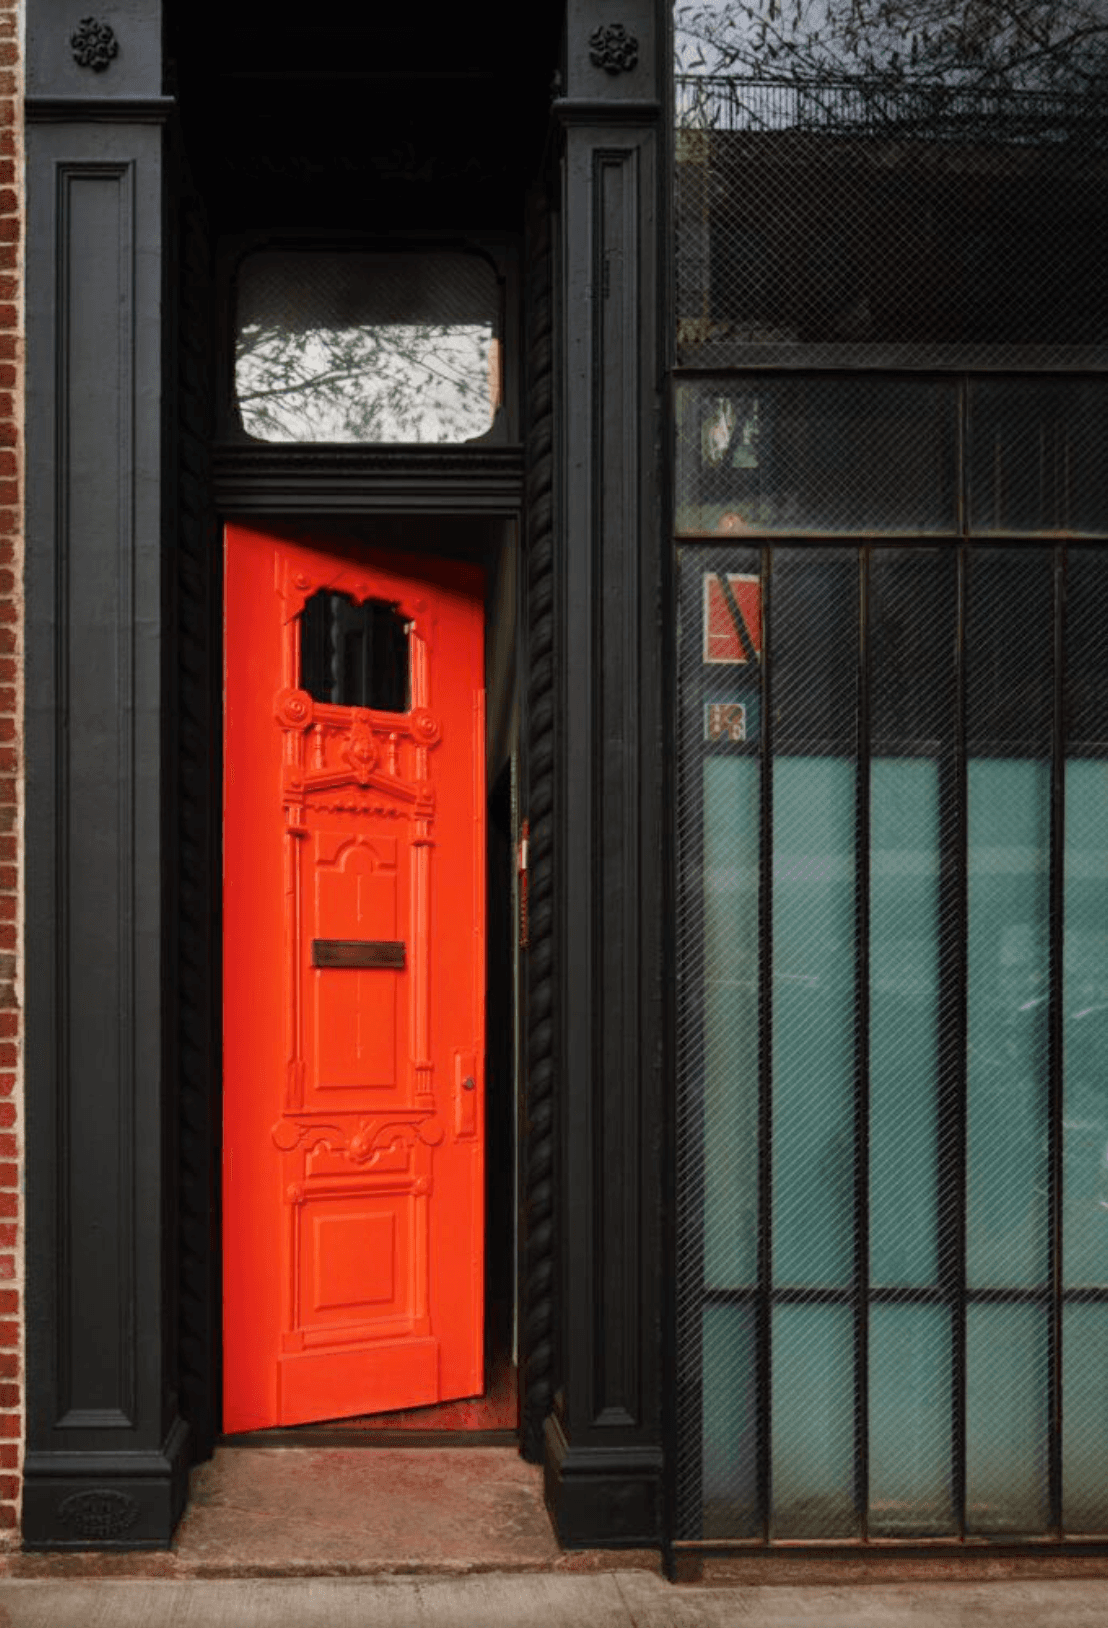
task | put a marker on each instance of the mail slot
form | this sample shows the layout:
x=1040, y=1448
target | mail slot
x=358, y=952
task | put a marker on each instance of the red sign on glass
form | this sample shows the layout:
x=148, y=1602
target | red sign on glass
x=732, y=617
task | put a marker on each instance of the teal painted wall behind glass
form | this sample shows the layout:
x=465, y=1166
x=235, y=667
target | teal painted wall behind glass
x=1085, y=1418
x=812, y=1425
x=904, y=994
x=910, y=1421
x=1006, y=1419
x=730, y=1489
x=1085, y=1028
x=731, y=824
x=1007, y=1009
x=813, y=1020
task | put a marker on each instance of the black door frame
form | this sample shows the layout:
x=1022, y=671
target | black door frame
x=124, y=486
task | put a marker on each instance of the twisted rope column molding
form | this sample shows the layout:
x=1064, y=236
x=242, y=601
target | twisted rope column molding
x=537, y=1288
x=197, y=714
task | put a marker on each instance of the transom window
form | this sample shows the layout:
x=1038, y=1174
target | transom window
x=353, y=347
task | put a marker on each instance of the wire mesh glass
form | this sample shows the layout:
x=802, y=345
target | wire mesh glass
x=352, y=347
x=892, y=1172
x=860, y=176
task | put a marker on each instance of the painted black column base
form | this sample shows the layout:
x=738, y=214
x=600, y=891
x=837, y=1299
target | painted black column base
x=111, y=1500
x=602, y=1497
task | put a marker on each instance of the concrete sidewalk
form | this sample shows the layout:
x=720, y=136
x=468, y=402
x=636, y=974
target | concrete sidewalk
x=617, y=1599
x=458, y=1537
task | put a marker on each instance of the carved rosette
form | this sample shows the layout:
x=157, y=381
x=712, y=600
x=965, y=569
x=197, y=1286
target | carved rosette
x=294, y=709
x=424, y=726
x=94, y=44
x=612, y=48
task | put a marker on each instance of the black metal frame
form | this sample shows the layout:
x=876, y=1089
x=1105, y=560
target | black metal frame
x=951, y=1289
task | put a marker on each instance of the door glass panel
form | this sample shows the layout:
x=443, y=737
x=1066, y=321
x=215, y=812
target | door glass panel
x=367, y=347
x=354, y=655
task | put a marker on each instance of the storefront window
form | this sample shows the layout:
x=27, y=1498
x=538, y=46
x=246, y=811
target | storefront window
x=893, y=1104
x=854, y=175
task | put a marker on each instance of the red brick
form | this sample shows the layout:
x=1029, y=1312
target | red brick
x=11, y=1426
x=9, y=1054
x=7, y=1085
x=9, y=1334
x=9, y=1202
x=9, y=1173
x=8, y=1229
x=9, y=1306
x=7, y=1120
x=7, y=1515
x=9, y=1455
x=7, y=935
x=9, y=1362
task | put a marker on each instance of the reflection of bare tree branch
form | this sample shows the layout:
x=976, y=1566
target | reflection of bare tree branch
x=985, y=45
x=407, y=382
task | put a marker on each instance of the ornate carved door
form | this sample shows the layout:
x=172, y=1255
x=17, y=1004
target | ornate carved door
x=353, y=1174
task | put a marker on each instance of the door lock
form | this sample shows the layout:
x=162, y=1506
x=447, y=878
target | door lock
x=469, y=1083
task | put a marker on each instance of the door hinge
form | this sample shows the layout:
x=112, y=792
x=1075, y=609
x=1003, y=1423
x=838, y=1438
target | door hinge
x=521, y=870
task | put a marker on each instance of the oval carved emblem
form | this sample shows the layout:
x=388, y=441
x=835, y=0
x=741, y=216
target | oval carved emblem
x=99, y=1513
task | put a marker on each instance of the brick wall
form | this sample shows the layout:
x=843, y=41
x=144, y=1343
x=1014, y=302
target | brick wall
x=11, y=799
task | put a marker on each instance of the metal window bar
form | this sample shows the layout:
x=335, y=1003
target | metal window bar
x=950, y=1289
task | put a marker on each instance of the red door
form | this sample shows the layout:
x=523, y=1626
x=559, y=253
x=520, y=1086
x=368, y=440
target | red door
x=353, y=1174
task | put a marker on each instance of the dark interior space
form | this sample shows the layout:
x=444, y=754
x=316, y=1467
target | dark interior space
x=377, y=120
